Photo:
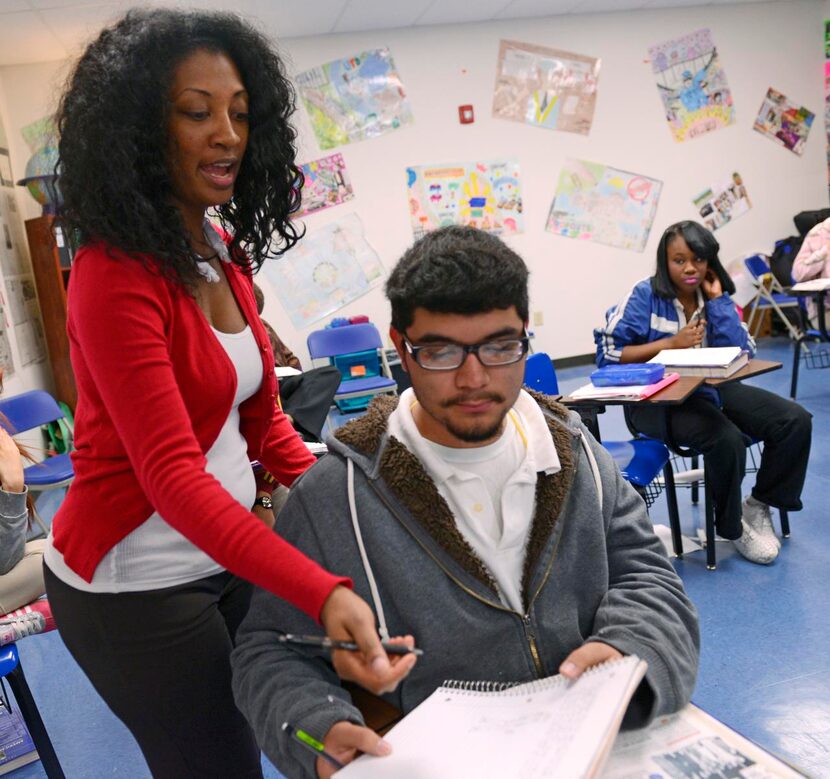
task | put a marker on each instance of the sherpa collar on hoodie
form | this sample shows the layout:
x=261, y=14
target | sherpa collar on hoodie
x=404, y=475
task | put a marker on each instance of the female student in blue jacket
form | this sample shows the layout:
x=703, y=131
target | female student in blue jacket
x=686, y=304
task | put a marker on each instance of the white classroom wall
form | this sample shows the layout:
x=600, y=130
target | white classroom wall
x=777, y=44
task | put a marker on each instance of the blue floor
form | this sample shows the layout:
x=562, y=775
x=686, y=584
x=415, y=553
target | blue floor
x=765, y=666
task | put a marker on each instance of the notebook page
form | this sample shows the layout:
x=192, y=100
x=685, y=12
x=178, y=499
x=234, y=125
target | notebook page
x=540, y=729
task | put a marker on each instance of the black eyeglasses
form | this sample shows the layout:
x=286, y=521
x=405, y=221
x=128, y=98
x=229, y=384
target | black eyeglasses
x=449, y=356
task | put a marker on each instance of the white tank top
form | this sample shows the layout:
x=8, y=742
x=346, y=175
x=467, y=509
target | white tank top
x=155, y=555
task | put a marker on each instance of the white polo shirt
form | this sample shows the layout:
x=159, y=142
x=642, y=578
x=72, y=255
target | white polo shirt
x=490, y=490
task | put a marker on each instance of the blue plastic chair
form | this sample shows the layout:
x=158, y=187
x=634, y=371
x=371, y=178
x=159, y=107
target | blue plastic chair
x=769, y=295
x=31, y=410
x=819, y=358
x=12, y=670
x=640, y=460
x=336, y=342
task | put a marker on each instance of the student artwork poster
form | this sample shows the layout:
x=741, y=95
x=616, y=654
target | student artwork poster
x=354, y=99
x=784, y=122
x=326, y=184
x=692, y=84
x=329, y=268
x=486, y=195
x=605, y=205
x=724, y=202
x=545, y=87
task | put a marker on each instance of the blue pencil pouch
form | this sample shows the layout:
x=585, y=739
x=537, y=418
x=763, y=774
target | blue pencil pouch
x=630, y=373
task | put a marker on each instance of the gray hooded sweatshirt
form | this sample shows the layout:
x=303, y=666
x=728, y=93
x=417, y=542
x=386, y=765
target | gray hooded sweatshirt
x=594, y=570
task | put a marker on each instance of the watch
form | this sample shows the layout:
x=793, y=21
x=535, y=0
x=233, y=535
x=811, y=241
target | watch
x=264, y=501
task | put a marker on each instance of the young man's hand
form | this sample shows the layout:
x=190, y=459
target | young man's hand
x=345, y=741
x=588, y=655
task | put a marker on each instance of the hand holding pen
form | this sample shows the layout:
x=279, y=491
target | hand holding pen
x=347, y=617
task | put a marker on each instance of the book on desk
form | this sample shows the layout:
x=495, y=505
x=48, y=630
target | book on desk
x=718, y=362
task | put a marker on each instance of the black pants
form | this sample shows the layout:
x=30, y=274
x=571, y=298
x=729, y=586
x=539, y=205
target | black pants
x=719, y=434
x=161, y=661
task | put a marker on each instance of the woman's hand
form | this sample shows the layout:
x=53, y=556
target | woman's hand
x=347, y=617
x=711, y=286
x=345, y=741
x=689, y=336
x=11, y=464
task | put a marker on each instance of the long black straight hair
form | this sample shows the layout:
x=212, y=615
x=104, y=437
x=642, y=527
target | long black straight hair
x=702, y=243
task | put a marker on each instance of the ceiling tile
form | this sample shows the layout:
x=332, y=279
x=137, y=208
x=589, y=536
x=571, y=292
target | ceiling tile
x=521, y=9
x=379, y=14
x=443, y=12
x=294, y=19
x=76, y=27
x=40, y=5
x=598, y=6
x=10, y=6
x=25, y=38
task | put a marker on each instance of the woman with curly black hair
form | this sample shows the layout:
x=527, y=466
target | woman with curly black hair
x=166, y=115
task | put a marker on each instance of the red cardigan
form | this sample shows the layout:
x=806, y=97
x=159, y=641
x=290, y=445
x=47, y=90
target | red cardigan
x=155, y=387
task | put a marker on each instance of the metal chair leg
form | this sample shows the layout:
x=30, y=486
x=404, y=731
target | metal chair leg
x=695, y=462
x=31, y=715
x=785, y=523
x=674, y=515
x=709, y=505
x=796, y=362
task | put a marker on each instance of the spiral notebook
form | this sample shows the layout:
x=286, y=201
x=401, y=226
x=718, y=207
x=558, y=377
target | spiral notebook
x=551, y=727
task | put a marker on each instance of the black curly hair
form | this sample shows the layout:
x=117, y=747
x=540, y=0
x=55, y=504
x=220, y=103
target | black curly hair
x=112, y=120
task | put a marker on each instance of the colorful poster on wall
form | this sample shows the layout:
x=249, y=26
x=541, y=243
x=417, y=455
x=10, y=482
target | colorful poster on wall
x=330, y=267
x=326, y=184
x=353, y=99
x=486, y=195
x=696, y=97
x=724, y=202
x=605, y=205
x=784, y=122
x=545, y=87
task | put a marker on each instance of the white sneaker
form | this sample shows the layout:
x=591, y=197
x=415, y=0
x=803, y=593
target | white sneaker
x=755, y=547
x=757, y=516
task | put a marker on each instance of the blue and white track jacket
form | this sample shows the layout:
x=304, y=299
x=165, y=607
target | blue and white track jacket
x=642, y=317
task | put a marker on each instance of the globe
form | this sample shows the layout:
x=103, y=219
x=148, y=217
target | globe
x=41, y=180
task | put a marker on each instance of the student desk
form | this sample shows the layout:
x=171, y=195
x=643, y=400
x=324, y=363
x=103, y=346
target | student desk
x=674, y=395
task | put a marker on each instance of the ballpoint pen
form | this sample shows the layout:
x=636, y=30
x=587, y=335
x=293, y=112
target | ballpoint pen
x=310, y=743
x=324, y=642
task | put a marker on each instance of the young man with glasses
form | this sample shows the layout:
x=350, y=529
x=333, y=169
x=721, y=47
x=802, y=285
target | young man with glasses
x=479, y=519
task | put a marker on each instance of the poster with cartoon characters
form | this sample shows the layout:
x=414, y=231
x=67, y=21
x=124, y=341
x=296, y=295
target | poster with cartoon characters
x=330, y=267
x=545, y=87
x=724, y=202
x=784, y=122
x=353, y=99
x=326, y=183
x=605, y=205
x=486, y=195
x=692, y=84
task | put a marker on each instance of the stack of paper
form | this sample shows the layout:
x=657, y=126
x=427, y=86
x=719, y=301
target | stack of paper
x=623, y=392
x=717, y=362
